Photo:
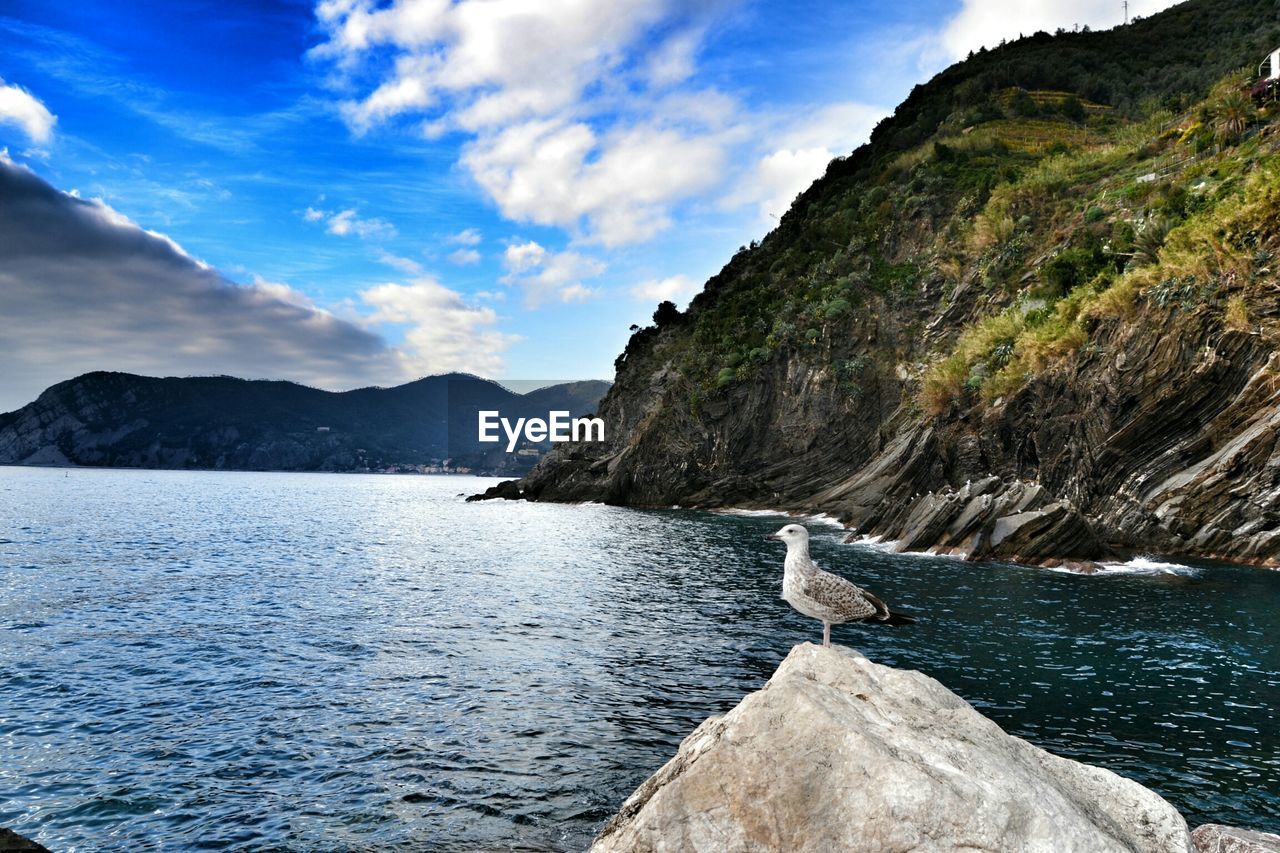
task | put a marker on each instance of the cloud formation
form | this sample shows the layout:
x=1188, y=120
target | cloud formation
x=467, y=237
x=443, y=329
x=984, y=23
x=677, y=288
x=481, y=64
x=19, y=107
x=84, y=288
x=616, y=188
x=566, y=104
x=545, y=276
x=344, y=223
x=800, y=154
x=585, y=116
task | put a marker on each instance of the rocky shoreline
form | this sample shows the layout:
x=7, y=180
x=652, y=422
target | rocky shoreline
x=969, y=523
x=838, y=752
x=12, y=842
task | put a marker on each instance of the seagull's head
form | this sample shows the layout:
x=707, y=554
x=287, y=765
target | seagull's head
x=792, y=534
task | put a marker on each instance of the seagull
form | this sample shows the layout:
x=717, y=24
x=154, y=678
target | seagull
x=823, y=595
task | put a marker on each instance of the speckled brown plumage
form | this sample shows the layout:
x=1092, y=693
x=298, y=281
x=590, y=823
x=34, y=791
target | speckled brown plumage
x=825, y=596
x=842, y=600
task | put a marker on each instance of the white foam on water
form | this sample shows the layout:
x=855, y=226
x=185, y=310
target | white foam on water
x=890, y=546
x=1148, y=565
x=1140, y=565
x=819, y=518
x=749, y=513
x=876, y=543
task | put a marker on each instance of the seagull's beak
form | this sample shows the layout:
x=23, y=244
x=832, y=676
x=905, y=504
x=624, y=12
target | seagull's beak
x=772, y=536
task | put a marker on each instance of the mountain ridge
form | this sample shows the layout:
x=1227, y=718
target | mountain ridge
x=113, y=419
x=1010, y=326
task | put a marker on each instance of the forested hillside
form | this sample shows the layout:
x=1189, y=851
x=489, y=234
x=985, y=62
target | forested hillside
x=1034, y=317
x=120, y=419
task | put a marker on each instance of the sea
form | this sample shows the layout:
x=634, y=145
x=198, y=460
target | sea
x=303, y=662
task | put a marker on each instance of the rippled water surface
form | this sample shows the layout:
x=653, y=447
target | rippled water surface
x=330, y=662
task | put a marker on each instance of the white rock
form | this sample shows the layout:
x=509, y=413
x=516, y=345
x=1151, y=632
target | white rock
x=839, y=753
x=1215, y=838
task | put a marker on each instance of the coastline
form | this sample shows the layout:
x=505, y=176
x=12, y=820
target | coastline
x=1119, y=561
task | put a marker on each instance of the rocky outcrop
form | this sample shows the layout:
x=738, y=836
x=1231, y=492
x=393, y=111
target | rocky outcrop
x=993, y=520
x=12, y=842
x=1215, y=838
x=507, y=490
x=1169, y=444
x=838, y=753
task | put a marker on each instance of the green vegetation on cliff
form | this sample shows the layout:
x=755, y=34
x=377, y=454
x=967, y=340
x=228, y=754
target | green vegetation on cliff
x=1049, y=272
x=1006, y=171
x=1153, y=215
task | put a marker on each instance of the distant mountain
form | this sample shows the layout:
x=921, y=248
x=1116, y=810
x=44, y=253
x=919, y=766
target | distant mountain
x=123, y=420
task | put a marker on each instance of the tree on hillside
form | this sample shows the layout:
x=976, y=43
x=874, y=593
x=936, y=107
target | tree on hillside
x=1073, y=109
x=1023, y=105
x=666, y=314
x=1231, y=115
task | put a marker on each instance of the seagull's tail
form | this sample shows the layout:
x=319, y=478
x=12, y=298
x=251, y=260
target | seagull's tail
x=896, y=618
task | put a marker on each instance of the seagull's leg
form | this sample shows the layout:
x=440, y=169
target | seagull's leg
x=826, y=633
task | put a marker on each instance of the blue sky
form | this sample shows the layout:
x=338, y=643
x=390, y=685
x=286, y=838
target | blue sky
x=486, y=185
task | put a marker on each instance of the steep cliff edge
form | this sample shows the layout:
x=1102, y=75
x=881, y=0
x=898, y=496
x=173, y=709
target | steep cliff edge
x=1022, y=322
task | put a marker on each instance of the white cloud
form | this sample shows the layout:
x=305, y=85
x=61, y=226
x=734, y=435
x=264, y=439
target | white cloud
x=521, y=257
x=576, y=114
x=559, y=100
x=799, y=154
x=544, y=275
x=615, y=189
x=782, y=175
x=445, y=333
x=463, y=257
x=21, y=108
x=284, y=293
x=577, y=292
x=467, y=237
x=485, y=62
x=984, y=23
x=673, y=61
x=677, y=288
x=346, y=222
x=841, y=126
x=406, y=265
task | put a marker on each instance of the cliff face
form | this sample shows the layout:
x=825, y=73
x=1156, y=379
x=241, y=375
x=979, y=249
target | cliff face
x=1017, y=324
x=118, y=419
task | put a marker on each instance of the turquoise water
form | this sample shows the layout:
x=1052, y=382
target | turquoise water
x=333, y=662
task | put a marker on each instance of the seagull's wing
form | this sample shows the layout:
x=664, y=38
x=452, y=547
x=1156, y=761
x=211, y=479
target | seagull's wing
x=882, y=609
x=852, y=602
